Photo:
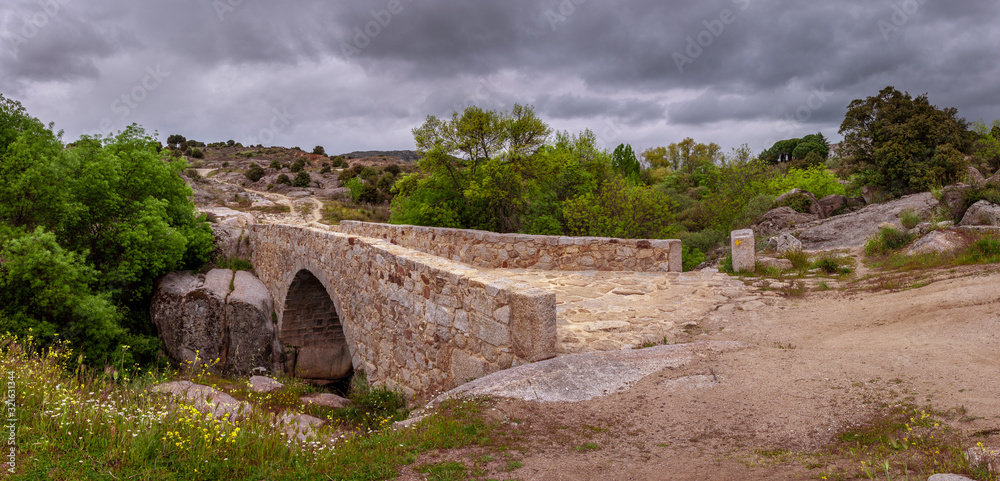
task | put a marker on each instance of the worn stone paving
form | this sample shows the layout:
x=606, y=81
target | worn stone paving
x=607, y=311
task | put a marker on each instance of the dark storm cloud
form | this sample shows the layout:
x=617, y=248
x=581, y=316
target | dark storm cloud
x=359, y=74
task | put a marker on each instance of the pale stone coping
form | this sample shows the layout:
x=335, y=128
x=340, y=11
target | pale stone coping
x=420, y=238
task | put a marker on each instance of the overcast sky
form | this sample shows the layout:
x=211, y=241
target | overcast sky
x=360, y=74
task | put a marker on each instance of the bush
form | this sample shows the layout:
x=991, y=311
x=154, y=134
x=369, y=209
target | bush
x=887, y=240
x=392, y=169
x=319, y=150
x=275, y=165
x=283, y=179
x=196, y=153
x=816, y=179
x=692, y=257
x=302, y=180
x=386, y=182
x=757, y=207
x=254, y=173
x=325, y=169
x=909, y=218
x=368, y=173
x=799, y=202
x=298, y=166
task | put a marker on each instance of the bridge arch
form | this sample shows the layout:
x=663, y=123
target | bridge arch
x=312, y=333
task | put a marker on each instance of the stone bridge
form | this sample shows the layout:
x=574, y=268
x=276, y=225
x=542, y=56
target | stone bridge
x=424, y=309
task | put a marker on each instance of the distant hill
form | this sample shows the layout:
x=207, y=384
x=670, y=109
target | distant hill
x=405, y=155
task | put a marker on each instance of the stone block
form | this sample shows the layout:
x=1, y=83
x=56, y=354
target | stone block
x=533, y=324
x=744, y=250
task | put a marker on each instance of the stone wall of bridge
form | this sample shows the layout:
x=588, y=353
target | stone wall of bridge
x=517, y=251
x=410, y=319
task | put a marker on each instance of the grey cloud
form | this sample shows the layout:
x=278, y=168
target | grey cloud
x=588, y=64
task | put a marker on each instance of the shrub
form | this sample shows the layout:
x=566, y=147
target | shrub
x=753, y=210
x=275, y=165
x=887, y=240
x=319, y=150
x=325, y=169
x=386, y=182
x=692, y=257
x=302, y=180
x=816, y=179
x=369, y=194
x=799, y=202
x=283, y=179
x=254, y=173
x=196, y=153
x=368, y=173
x=298, y=166
x=909, y=218
x=392, y=169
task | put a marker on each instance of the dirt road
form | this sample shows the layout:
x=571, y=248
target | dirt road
x=820, y=363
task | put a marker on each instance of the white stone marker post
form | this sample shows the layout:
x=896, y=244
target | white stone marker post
x=744, y=250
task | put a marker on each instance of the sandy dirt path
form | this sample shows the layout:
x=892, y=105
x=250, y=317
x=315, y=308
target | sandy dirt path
x=818, y=364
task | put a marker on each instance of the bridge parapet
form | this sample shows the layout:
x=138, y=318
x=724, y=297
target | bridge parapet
x=411, y=319
x=518, y=251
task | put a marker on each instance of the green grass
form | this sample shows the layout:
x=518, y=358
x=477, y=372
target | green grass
x=83, y=424
x=909, y=219
x=234, y=264
x=335, y=211
x=886, y=240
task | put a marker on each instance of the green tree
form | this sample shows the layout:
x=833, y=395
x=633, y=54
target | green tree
x=254, y=173
x=904, y=144
x=621, y=209
x=624, y=162
x=319, y=150
x=987, y=146
x=478, y=167
x=46, y=290
x=302, y=179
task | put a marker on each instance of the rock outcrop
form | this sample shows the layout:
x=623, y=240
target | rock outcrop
x=221, y=315
x=953, y=199
x=976, y=178
x=784, y=243
x=829, y=205
x=982, y=213
x=781, y=219
x=851, y=230
x=939, y=241
x=232, y=241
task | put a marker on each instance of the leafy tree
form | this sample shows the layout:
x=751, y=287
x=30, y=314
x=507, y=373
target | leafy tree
x=987, y=146
x=476, y=170
x=302, y=179
x=176, y=140
x=254, y=173
x=624, y=162
x=85, y=231
x=656, y=158
x=47, y=290
x=904, y=144
x=621, y=209
x=735, y=184
x=319, y=150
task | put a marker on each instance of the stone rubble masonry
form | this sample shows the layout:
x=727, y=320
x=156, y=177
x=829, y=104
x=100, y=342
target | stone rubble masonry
x=518, y=251
x=410, y=319
x=744, y=250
